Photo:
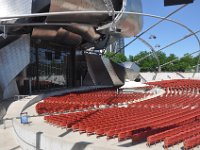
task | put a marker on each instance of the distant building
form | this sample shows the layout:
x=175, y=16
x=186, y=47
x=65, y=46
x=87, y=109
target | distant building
x=116, y=46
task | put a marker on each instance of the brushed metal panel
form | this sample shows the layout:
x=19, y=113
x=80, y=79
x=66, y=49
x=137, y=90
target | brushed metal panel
x=40, y=6
x=77, y=5
x=15, y=7
x=14, y=58
x=131, y=24
x=59, y=35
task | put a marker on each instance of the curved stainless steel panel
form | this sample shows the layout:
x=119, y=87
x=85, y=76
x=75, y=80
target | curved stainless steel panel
x=87, y=32
x=78, y=5
x=40, y=6
x=83, y=25
x=129, y=25
x=57, y=35
x=15, y=7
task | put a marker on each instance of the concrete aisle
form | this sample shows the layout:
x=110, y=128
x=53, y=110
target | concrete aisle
x=7, y=140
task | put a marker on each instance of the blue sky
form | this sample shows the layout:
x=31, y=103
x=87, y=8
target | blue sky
x=167, y=32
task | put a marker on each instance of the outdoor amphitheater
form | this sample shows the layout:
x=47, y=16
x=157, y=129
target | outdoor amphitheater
x=161, y=114
x=99, y=75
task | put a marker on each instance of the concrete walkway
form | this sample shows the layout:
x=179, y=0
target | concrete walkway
x=7, y=138
x=9, y=110
x=15, y=108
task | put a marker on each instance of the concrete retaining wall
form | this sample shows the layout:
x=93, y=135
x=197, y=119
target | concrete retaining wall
x=31, y=140
x=25, y=138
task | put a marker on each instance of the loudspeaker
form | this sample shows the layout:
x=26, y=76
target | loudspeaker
x=177, y=2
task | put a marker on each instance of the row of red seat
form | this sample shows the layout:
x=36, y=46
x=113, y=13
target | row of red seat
x=177, y=138
x=125, y=123
x=161, y=136
x=171, y=118
x=82, y=101
x=169, y=102
x=178, y=83
x=192, y=142
x=178, y=86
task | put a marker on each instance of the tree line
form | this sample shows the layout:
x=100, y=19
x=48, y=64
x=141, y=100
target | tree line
x=187, y=63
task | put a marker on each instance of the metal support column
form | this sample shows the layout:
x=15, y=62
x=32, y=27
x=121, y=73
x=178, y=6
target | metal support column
x=73, y=67
x=37, y=67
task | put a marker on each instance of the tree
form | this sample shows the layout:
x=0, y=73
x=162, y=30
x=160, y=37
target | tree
x=186, y=63
x=173, y=66
x=195, y=61
x=148, y=64
x=140, y=55
x=161, y=56
x=130, y=58
x=118, y=58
